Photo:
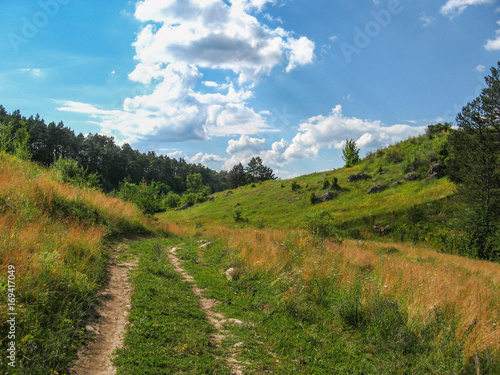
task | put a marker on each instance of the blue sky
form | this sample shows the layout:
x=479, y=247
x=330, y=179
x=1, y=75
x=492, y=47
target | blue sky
x=220, y=81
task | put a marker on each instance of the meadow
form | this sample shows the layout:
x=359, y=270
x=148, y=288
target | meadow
x=356, y=284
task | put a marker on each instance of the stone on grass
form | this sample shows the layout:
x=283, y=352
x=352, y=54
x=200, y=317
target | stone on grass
x=376, y=189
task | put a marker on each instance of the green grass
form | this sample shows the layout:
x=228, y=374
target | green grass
x=274, y=204
x=168, y=333
x=57, y=236
x=323, y=327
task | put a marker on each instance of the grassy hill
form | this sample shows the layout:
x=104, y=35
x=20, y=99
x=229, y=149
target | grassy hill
x=53, y=247
x=415, y=211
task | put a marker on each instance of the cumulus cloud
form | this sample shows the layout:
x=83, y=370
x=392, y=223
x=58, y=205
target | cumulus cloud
x=179, y=41
x=480, y=68
x=453, y=8
x=205, y=158
x=493, y=44
x=317, y=133
x=331, y=131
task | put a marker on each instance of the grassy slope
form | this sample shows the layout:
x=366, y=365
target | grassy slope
x=55, y=236
x=413, y=210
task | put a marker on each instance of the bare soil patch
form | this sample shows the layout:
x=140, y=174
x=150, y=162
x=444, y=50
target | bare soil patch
x=110, y=328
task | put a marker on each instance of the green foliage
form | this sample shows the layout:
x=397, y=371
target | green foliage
x=21, y=142
x=238, y=216
x=149, y=198
x=312, y=197
x=350, y=153
x=295, y=186
x=7, y=136
x=326, y=183
x=473, y=165
x=71, y=172
x=190, y=199
x=194, y=183
x=15, y=139
x=237, y=176
x=320, y=224
x=254, y=172
x=438, y=128
x=172, y=200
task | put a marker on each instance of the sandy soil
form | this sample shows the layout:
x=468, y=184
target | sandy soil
x=110, y=328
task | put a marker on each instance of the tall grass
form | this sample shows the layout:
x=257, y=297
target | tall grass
x=424, y=283
x=55, y=236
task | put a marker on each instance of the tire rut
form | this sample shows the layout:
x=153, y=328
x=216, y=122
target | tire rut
x=214, y=318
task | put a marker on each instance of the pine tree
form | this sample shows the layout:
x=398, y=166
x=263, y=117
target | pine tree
x=474, y=165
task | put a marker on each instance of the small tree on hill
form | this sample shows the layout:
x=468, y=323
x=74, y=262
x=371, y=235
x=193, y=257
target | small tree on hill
x=236, y=176
x=350, y=153
x=474, y=165
x=257, y=171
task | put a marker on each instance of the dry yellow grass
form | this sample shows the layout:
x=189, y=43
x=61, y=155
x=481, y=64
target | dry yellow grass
x=29, y=229
x=421, y=279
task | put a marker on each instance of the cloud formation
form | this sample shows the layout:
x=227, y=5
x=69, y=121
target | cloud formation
x=318, y=133
x=331, y=131
x=453, y=8
x=493, y=44
x=183, y=42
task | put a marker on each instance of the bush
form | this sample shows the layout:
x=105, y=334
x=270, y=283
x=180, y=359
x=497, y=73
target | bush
x=73, y=173
x=295, y=186
x=312, y=198
x=172, y=200
x=190, y=199
x=320, y=224
x=149, y=198
x=326, y=183
x=238, y=216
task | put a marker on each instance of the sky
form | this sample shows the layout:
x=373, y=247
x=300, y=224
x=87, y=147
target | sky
x=218, y=82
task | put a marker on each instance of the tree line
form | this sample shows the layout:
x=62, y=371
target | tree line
x=95, y=160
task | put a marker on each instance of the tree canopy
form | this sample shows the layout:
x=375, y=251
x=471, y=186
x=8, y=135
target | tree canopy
x=474, y=165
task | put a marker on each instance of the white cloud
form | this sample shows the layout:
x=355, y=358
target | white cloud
x=301, y=52
x=33, y=71
x=426, y=20
x=177, y=155
x=331, y=131
x=480, y=68
x=453, y=8
x=178, y=41
x=493, y=44
x=243, y=149
x=204, y=158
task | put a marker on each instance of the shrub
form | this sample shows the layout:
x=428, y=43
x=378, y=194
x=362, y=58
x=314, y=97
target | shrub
x=326, y=183
x=295, y=186
x=320, y=224
x=71, y=172
x=190, y=199
x=312, y=198
x=238, y=215
x=172, y=200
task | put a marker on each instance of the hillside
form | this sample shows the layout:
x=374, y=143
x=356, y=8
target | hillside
x=407, y=210
x=54, y=255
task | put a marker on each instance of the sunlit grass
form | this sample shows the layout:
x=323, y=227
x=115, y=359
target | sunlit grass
x=55, y=235
x=423, y=280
